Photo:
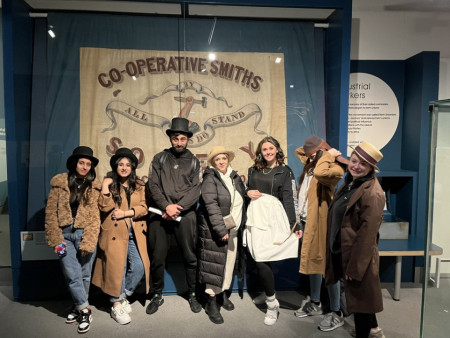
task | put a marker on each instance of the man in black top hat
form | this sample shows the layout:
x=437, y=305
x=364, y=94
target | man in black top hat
x=174, y=188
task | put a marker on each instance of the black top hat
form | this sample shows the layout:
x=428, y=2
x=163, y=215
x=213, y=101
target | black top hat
x=122, y=152
x=81, y=152
x=179, y=125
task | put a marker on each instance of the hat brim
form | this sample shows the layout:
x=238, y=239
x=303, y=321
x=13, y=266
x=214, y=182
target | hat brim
x=173, y=131
x=75, y=158
x=230, y=155
x=362, y=158
x=114, y=158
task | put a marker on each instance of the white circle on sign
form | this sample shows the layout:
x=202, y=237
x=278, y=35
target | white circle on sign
x=373, y=111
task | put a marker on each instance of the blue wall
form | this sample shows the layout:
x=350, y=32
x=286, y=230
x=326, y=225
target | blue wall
x=18, y=33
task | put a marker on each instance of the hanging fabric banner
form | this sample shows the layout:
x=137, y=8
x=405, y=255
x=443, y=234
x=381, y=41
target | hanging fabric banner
x=129, y=97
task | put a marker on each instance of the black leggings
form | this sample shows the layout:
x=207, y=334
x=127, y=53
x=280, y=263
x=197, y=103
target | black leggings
x=363, y=323
x=266, y=278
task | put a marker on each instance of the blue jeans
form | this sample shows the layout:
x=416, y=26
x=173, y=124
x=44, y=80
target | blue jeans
x=133, y=271
x=334, y=292
x=315, y=282
x=76, y=268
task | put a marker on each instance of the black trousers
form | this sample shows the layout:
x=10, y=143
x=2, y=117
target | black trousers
x=185, y=233
x=267, y=279
x=363, y=323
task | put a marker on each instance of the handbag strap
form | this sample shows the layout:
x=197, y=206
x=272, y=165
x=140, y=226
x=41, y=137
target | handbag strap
x=290, y=234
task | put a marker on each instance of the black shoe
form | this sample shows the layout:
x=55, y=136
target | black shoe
x=212, y=310
x=196, y=307
x=84, y=320
x=226, y=303
x=154, y=304
x=72, y=316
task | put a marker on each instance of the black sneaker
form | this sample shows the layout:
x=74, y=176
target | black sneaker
x=72, y=316
x=154, y=304
x=196, y=307
x=84, y=320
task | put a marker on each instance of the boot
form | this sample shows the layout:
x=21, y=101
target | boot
x=226, y=303
x=212, y=310
x=272, y=311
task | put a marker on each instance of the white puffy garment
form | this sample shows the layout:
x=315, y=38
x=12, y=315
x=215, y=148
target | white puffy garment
x=269, y=236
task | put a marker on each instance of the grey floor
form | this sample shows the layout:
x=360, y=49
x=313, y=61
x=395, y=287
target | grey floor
x=174, y=318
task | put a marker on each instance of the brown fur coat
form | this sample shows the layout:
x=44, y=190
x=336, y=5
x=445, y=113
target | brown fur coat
x=58, y=213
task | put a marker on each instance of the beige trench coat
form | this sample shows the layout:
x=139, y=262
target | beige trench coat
x=327, y=175
x=113, y=241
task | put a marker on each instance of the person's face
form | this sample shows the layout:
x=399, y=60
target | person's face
x=312, y=157
x=124, y=168
x=269, y=152
x=220, y=162
x=179, y=142
x=357, y=167
x=83, y=167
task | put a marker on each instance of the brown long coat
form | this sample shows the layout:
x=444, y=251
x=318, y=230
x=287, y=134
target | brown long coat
x=113, y=241
x=327, y=175
x=359, y=242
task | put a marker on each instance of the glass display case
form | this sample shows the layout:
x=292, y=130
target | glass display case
x=436, y=295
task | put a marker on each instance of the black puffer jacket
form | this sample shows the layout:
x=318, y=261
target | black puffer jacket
x=215, y=202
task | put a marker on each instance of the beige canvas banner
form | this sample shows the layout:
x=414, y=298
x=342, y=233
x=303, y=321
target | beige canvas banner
x=129, y=97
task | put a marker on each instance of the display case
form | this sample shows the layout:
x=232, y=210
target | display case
x=436, y=295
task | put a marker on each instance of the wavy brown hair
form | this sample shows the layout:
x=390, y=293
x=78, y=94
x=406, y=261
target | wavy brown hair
x=260, y=162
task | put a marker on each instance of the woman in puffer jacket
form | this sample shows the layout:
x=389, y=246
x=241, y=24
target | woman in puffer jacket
x=72, y=224
x=222, y=196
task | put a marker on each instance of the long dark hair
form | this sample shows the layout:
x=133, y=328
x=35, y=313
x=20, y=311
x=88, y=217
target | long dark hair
x=260, y=162
x=82, y=194
x=115, y=186
x=309, y=165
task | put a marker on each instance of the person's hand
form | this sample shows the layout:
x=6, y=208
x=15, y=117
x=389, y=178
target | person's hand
x=225, y=238
x=254, y=194
x=334, y=152
x=299, y=234
x=55, y=249
x=348, y=278
x=117, y=214
x=173, y=210
x=105, y=184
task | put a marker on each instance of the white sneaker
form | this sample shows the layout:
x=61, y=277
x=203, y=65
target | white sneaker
x=261, y=299
x=272, y=312
x=126, y=305
x=119, y=314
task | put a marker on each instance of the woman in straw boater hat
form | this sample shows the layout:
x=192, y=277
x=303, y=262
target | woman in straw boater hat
x=222, y=197
x=122, y=258
x=323, y=168
x=354, y=219
x=72, y=221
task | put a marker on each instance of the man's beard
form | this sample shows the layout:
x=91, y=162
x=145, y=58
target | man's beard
x=179, y=149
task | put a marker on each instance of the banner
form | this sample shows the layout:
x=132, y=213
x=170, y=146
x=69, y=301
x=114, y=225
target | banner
x=129, y=97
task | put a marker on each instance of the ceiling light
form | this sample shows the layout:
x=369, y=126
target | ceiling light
x=278, y=60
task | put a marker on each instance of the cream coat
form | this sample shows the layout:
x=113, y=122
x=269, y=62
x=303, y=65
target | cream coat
x=58, y=213
x=113, y=241
x=327, y=175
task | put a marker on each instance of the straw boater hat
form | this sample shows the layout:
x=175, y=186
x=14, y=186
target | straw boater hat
x=220, y=150
x=369, y=153
x=122, y=152
x=314, y=144
x=81, y=152
x=179, y=125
